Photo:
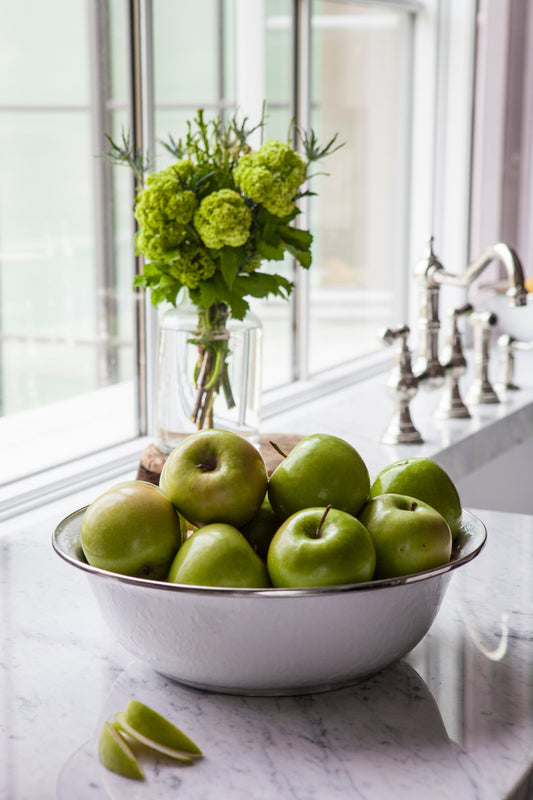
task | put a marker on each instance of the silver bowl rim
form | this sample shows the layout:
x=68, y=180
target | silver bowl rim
x=472, y=539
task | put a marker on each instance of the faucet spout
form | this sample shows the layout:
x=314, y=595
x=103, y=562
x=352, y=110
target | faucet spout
x=516, y=292
x=431, y=274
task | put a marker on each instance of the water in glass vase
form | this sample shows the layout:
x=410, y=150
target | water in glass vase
x=207, y=377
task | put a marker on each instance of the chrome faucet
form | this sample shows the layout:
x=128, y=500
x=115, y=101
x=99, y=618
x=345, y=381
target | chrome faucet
x=432, y=275
x=402, y=385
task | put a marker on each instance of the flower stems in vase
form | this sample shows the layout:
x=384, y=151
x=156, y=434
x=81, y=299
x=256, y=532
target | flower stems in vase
x=211, y=369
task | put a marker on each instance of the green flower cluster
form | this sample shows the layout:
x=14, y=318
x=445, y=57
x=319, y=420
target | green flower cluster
x=272, y=176
x=163, y=210
x=223, y=218
x=210, y=220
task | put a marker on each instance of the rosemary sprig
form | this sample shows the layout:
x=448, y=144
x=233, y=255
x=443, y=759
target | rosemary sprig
x=125, y=154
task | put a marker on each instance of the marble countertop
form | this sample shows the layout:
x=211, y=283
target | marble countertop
x=456, y=715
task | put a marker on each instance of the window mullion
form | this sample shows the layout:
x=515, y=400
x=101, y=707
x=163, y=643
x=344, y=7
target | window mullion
x=302, y=117
x=106, y=306
x=142, y=140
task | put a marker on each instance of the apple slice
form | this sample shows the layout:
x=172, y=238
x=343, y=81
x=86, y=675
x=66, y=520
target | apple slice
x=155, y=731
x=116, y=755
x=152, y=724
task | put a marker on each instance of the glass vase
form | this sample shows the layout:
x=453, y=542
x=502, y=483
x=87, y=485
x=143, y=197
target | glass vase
x=207, y=377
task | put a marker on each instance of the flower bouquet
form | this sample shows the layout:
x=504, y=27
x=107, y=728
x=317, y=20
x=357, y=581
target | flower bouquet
x=206, y=225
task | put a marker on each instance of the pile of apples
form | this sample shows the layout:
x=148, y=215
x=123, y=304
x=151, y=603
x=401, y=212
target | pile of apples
x=217, y=519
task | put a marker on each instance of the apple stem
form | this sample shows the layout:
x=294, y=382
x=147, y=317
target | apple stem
x=322, y=518
x=413, y=506
x=206, y=466
x=278, y=449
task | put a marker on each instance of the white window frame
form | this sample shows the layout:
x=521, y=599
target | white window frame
x=442, y=134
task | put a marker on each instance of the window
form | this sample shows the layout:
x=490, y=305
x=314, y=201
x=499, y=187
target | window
x=66, y=325
x=75, y=345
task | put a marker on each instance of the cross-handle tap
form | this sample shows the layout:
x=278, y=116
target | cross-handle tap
x=451, y=405
x=403, y=386
x=481, y=390
x=507, y=345
x=428, y=368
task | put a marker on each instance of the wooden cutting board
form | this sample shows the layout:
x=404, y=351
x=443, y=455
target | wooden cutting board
x=152, y=460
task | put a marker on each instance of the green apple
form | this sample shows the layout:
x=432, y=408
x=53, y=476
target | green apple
x=116, y=755
x=320, y=547
x=219, y=555
x=409, y=535
x=261, y=528
x=215, y=476
x=425, y=480
x=321, y=470
x=133, y=529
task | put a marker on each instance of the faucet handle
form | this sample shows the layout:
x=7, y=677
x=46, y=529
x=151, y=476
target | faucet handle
x=390, y=335
x=403, y=386
x=467, y=308
x=454, y=336
x=451, y=405
x=507, y=345
x=484, y=320
x=482, y=390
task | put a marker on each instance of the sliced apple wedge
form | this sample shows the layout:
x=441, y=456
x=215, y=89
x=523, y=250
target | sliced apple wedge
x=121, y=725
x=157, y=727
x=116, y=755
x=152, y=729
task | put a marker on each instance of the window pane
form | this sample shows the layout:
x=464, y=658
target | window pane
x=47, y=257
x=275, y=313
x=186, y=52
x=44, y=52
x=66, y=353
x=359, y=89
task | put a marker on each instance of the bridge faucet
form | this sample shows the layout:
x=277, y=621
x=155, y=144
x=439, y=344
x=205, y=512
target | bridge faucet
x=431, y=275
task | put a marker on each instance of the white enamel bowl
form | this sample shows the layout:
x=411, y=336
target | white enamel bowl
x=269, y=641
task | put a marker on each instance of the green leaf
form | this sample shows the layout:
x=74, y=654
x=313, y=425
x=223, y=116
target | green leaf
x=162, y=294
x=298, y=243
x=296, y=237
x=272, y=252
x=238, y=305
x=263, y=284
x=139, y=281
x=150, y=269
x=208, y=292
x=303, y=257
x=229, y=263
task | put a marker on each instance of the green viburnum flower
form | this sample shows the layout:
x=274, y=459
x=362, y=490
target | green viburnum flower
x=192, y=265
x=272, y=176
x=155, y=245
x=223, y=218
x=163, y=209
